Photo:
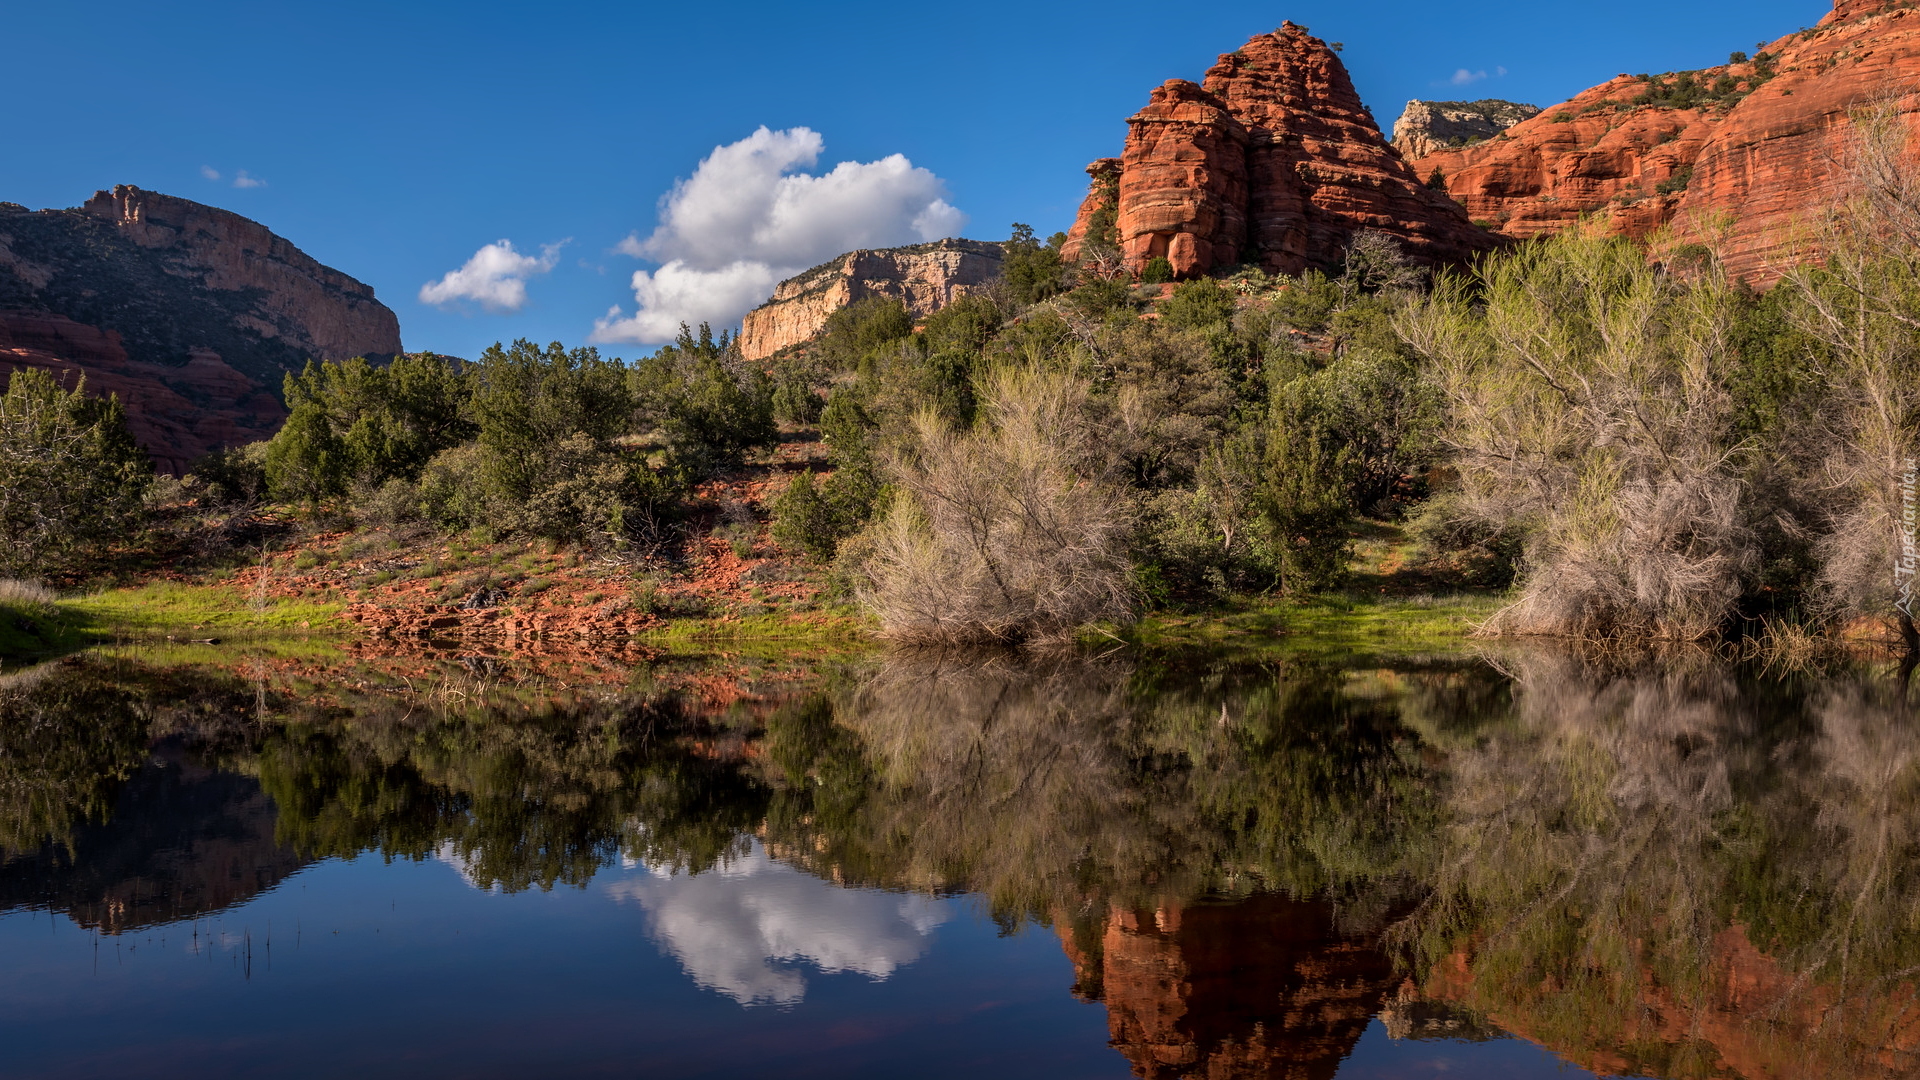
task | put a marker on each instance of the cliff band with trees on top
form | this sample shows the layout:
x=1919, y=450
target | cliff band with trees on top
x=191, y=314
x=1427, y=126
x=926, y=277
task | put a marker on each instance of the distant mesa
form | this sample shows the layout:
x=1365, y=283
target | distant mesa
x=190, y=313
x=925, y=277
x=1425, y=127
x=1272, y=161
x=1742, y=151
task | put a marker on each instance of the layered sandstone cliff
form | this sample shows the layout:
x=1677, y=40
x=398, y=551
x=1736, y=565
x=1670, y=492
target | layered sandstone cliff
x=925, y=277
x=191, y=313
x=1271, y=160
x=1426, y=127
x=1741, y=152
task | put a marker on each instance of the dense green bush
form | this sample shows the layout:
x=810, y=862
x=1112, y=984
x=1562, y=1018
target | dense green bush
x=863, y=328
x=712, y=407
x=1157, y=271
x=1200, y=304
x=815, y=518
x=351, y=423
x=1033, y=271
x=526, y=401
x=71, y=477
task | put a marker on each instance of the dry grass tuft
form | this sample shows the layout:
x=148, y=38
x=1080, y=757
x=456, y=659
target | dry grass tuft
x=25, y=594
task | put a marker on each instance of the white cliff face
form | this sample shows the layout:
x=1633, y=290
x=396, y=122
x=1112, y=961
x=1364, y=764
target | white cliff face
x=1427, y=126
x=925, y=277
x=744, y=928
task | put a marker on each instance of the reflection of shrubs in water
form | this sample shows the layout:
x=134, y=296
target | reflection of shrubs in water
x=1644, y=829
x=1052, y=782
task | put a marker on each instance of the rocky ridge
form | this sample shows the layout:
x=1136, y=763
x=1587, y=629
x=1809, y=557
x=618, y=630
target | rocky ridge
x=1741, y=151
x=191, y=313
x=1426, y=127
x=925, y=277
x=1272, y=160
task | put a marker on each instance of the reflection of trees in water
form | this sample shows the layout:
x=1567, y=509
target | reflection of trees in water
x=521, y=790
x=1660, y=868
x=535, y=797
x=1046, y=783
x=1672, y=870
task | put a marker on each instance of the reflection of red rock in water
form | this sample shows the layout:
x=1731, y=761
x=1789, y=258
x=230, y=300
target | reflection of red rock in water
x=1755, y=1019
x=182, y=841
x=1264, y=987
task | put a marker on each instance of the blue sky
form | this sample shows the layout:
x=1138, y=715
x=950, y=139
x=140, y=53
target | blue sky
x=394, y=141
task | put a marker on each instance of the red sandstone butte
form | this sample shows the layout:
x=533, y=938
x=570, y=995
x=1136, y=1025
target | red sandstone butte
x=1272, y=160
x=1747, y=172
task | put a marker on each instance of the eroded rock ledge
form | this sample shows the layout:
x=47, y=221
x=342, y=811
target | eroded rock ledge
x=926, y=277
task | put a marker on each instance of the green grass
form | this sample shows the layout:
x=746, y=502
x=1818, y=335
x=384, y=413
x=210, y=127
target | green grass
x=165, y=607
x=32, y=630
x=770, y=628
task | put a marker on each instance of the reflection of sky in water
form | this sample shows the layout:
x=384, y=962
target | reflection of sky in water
x=730, y=928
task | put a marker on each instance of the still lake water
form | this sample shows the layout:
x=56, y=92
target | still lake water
x=1526, y=864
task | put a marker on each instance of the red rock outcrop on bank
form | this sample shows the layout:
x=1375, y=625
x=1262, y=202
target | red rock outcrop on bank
x=1271, y=160
x=190, y=313
x=1746, y=164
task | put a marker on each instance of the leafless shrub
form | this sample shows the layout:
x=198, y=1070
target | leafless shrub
x=1589, y=411
x=1015, y=532
x=1863, y=304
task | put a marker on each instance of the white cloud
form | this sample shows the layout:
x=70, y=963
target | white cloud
x=209, y=172
x=1464, y=77
x=495, y=278
x=736, y=929
x=242, y=180
x=749, y=217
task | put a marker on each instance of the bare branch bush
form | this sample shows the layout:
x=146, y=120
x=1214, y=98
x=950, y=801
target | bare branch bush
x=1862, y=303
x=1017, y=531
x=1588, y=407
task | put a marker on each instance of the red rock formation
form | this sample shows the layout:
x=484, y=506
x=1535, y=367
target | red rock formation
x=1275, y=143
x=318, y=310
x=191, y=314
x=1183, y=182
x=1755, y=163
x=176, y=413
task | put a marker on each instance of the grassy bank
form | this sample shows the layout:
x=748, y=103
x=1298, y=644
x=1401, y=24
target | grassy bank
x=1340, y=621
x=158, y=611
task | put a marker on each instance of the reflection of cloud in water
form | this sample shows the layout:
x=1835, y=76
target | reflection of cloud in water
x=449, y=853
x=728, y=926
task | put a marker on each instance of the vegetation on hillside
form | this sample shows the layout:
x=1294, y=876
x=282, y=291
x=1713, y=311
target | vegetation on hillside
x=1642, y=448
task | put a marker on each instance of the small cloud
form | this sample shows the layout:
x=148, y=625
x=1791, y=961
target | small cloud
x=242, y=180
x=209, y=172
x=495, y=277
x=1469, y=76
